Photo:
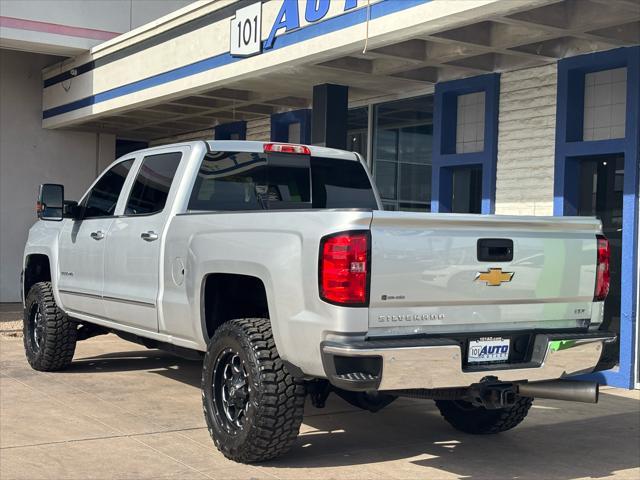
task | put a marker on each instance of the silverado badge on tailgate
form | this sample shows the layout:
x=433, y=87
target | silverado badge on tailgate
x=494, y=277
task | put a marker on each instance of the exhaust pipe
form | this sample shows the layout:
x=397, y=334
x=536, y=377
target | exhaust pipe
x=571, y=390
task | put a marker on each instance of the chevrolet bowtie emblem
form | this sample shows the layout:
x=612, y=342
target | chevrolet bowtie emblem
x=494, y=277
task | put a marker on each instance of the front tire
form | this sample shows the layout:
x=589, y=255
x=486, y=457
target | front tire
x=252, y=405
x=49, y=335
x=478, y=420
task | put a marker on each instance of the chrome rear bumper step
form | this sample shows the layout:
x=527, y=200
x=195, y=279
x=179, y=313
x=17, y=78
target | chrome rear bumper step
x=438, y=362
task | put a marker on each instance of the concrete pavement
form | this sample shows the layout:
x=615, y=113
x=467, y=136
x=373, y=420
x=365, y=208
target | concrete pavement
x=122, y=411
x=11, y=319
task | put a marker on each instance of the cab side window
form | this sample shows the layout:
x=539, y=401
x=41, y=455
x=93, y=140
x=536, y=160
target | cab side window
x=103, y=197
x=151, y=188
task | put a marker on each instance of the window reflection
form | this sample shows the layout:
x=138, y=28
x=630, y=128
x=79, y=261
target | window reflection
x=403, y=137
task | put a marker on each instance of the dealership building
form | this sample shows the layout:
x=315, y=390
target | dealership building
x=523, y=107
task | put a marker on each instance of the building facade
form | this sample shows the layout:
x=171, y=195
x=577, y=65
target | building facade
x=525, y=107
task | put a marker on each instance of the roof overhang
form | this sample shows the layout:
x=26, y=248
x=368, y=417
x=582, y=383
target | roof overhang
x=177, y=75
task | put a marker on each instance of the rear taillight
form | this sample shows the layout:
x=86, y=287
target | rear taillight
x=286, y=148
x=603, y=275
x=344, y=268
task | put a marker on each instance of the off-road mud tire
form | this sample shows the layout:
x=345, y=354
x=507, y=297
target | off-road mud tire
x=53, y=347
x=478, y=420
x=276, y=399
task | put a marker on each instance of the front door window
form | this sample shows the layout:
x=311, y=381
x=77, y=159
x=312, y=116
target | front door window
x=101, y=201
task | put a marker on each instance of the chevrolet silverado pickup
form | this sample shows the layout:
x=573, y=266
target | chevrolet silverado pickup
x=276, y=265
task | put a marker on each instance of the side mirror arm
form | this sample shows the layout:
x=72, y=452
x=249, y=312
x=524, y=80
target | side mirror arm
x=72, y=210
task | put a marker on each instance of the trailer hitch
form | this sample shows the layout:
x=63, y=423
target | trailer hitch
x=492, y=395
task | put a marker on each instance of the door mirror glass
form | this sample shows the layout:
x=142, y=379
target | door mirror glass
x=50, y=202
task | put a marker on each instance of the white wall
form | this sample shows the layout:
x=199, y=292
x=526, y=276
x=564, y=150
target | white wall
x=30, y=155
x=526, y=141
x=107, y=16
x=144, y=11
x=110, y=15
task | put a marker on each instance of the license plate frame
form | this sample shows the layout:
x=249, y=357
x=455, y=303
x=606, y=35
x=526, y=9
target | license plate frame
x=485, y=350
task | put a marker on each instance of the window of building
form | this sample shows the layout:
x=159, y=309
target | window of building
x=403, y=133
x=151, y=188
x=605, y=94
x=466, y=135
x=101, y=201
x=470, y=123
x=357, y=130
x=467, y=189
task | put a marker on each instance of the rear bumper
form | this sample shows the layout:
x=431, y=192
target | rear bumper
x=438, y=363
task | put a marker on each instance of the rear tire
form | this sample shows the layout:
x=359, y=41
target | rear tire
x=252, y=405
x=478, y=420
x=49, y=335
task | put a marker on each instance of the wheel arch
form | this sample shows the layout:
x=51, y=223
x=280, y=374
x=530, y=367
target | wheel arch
x=37, y=268
x=227, y=296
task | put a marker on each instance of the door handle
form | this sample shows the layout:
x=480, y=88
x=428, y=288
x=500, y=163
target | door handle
x=149, y=236
x=99, y=235
x=495, y=249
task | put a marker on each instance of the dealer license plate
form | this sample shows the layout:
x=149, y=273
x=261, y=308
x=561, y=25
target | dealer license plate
x=488, y=349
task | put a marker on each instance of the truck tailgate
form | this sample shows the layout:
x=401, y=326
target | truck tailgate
x=426, y=275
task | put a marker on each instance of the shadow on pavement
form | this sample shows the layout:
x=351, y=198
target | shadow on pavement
x=558, y=441
x=590, y=447
x=156, y=361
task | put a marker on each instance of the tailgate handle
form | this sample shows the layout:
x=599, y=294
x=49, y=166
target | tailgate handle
x=495, y=249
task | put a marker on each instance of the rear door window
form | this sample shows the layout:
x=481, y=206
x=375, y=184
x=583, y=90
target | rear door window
x=151, y=188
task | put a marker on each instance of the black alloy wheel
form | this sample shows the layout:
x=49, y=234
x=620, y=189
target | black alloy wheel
x=35, y=328
x=230, y=390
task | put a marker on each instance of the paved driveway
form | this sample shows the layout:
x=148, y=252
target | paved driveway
x=122, y=411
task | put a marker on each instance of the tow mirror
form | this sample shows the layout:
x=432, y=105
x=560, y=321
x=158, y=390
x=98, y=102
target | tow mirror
x=50, y=205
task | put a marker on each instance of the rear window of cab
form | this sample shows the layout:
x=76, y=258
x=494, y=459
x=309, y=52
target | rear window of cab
x=236, y=181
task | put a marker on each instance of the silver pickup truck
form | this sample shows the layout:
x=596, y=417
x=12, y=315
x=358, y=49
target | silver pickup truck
x=276, y=263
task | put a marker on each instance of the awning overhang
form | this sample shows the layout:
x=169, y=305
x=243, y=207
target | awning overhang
x=176, y=75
